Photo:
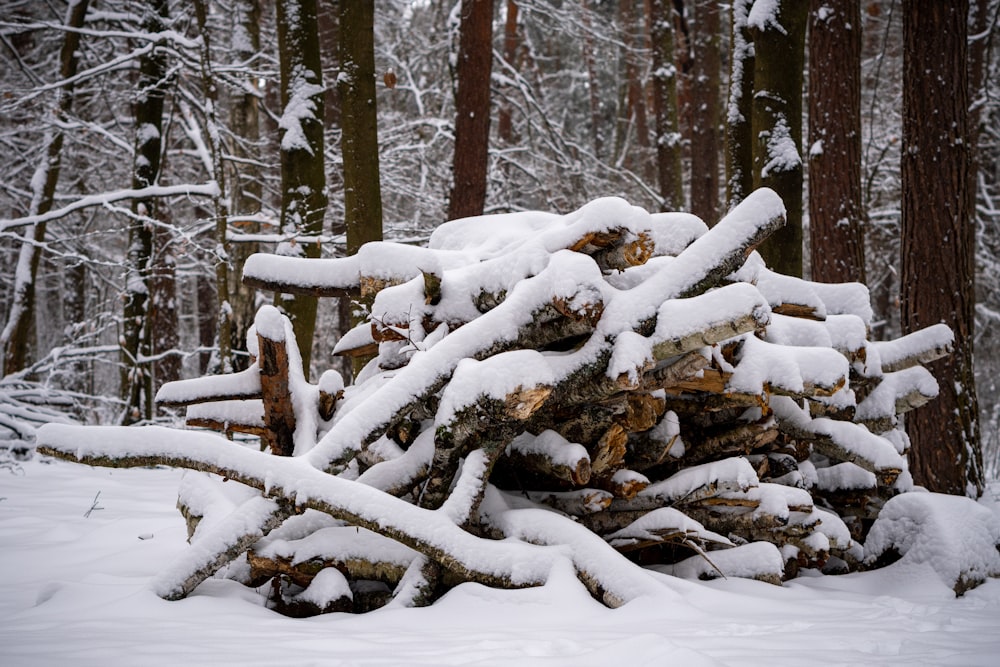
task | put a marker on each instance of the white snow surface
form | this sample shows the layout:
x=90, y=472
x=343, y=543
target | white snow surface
x=82, y=595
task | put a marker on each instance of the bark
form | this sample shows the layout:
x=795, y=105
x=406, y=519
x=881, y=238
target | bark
x=938, y=231
x=634, y=123
x=705, y=111
x=303, y=181
x=220, y=204
x=136, y=388
x=246, y=191
x=359, y=142
x=669, y=167
x=836, y=208
x=739, y=135
x=279, y=412
x=593, y=87
x=472, y=110
x=511, y=43
x=16, y=334
x=163, y=319
x=779, y=48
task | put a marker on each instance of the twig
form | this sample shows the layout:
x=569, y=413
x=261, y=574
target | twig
x=93, y=506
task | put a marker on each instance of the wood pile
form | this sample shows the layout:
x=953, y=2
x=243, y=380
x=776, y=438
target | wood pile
x=636, y=375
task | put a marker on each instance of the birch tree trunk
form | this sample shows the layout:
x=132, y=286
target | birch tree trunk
x=303, y=181
x=136, y=381
x=14, y=339
x=836, y=209
x=938, y=240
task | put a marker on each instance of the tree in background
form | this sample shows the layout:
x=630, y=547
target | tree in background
x=836, y=210
x=779, y=32
x=739, y=112
x=704, y=109
x=669, y=165
x=359, y=139
x=136, y=388
x=938, y=241
x=246, y=190
x=472, y=109
x=20, y=320
x=303, y=181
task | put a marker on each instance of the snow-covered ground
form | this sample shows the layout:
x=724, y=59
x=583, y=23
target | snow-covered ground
x=76, y=591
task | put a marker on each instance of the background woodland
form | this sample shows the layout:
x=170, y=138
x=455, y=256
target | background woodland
x=151, y=146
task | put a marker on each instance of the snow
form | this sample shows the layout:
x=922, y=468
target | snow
x=953, y=535
x=82, y=595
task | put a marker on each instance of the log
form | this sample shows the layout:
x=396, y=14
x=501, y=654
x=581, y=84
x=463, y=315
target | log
x=633, y=251
x=301, y=572
x=576, y=503
x=547, y=460
x=279, y=412
x=235, y=386
x=740, y=440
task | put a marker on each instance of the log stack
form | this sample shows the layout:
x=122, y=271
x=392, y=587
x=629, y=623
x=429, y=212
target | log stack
x=636, y=375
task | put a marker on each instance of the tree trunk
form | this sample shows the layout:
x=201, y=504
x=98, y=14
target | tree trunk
x=938, y=238
x=836, y=209
x=669, y=167
x=779, y=33
x=739, y=135
x=593, y=87
x=705, y=118
x=16, y=333
x=634, y=122
x=505, y=125
x=472, y=110
x=303, y=181
x=246, y=190
x=220, y=204
x=163, y=320
x=136, y=381
x=359, y=142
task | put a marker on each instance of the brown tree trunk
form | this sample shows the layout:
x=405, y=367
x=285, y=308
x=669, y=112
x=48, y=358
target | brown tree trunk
x=836, y=209
x=505, y=124
x=634, y=124
x=938, y=273
x=705, y=118
x=303, y=179
x=669, y=166
x=359, y=138
x=472, y=110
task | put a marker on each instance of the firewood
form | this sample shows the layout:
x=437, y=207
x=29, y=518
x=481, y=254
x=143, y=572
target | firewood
x=235, y=386
x=577, y=503
x=547, y=457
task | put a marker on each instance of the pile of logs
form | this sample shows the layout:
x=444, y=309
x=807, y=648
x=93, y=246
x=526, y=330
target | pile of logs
x=530, y=376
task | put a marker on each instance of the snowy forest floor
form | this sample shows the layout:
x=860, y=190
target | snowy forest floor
x=76, y=591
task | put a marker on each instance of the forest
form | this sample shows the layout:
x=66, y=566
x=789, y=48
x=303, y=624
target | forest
x=678, y=271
